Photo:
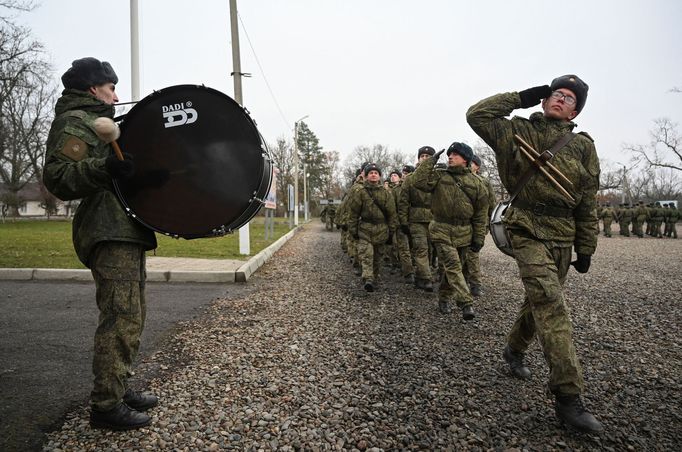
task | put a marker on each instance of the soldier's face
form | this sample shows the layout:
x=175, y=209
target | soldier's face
x=423, y=157
x=454, y=159
x=475, y=167
x=395, y=178
x=558, y=108
x=373, y=176
x=106, y=93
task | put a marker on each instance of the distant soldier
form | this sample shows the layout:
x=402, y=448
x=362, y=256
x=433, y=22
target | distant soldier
x=649, y=218
x=638, y=217
x=459, y=205
x=624, y=220
x=671, y=221
x=414, y=214
x=607, y=216
x=401, y=241
x=372, y=222
x=472, y=266
x=328, y=214
x=657, y=217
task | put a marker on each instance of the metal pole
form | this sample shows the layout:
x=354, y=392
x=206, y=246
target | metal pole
x=296, y=173
x=134, y=50
x=305, y=192
x=244, y=232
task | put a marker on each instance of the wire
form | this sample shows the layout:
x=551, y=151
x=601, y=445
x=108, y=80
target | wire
x=286, y=122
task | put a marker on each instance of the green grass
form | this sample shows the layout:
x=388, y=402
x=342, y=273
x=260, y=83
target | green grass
x=47, y=244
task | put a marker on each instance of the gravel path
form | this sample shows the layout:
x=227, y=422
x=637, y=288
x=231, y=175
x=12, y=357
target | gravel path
x=309, y=360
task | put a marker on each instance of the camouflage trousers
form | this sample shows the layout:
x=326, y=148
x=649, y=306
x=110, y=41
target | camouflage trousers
x=402, y=246
x=344, y=241
x=453, y=286
x=624, y=228
x=472, y=268
x=370, y=257
x=421, y=242
x=119, y=272
x=544, y=312
x=353, y=248
x=656, y=228
x=637, y=228
x=607, y=228
x=329, y=223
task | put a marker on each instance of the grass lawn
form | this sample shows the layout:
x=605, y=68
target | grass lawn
x=47, y=244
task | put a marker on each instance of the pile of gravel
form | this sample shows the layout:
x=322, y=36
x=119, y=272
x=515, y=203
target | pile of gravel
x=307, y=359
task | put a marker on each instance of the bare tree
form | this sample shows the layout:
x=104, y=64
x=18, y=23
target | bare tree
x=282, y=154
x=384, y=158
x=489, y=167
x=664, y=150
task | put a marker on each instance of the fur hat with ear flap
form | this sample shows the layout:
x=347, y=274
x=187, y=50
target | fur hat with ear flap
x=462, y=149
x=477, y=160
x=576, y=85
x=372, y=167
x=425, y=150
x=87, y=72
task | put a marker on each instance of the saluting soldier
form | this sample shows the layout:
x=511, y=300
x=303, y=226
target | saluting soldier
x=544, y=224
x=414, y=214
x=459, y=204
x=372, y=221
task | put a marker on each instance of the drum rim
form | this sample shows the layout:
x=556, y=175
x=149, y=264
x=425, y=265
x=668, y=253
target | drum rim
x=249, y=212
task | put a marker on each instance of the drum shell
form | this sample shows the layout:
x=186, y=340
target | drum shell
x=202, y=168
x=499, y=231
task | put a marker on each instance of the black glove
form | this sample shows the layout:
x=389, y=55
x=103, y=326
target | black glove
x=405, y=229
x=437, y=155
x=390, y=238
x=475, y=247
x=582, y=263
x=532, y=96
x=120, y=169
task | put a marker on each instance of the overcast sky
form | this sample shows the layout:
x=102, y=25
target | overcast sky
x=400, y=73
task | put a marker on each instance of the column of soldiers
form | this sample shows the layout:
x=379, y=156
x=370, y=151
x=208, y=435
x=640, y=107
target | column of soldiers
x=421, y=211
x=660, y=219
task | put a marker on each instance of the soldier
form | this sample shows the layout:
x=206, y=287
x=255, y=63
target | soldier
x=607, y=216
x=414, y=214
x=624, y=220
x=459, y=203
x=657, y=217
x=638, y=218
x=401, y=241
x=81, y=165
x=671, y=221
x=328, y=214
x=472, y=266
x=372, y=221
x=544, y=224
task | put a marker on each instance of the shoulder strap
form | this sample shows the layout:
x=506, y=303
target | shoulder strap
x=383, y=211
x=544, y=157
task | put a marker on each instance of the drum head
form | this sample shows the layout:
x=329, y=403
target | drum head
x=201, y=167
x=498, y=230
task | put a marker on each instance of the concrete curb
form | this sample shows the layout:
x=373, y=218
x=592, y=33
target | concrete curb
x=242, y=274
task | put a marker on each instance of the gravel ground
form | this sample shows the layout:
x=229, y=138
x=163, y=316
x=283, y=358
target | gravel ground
x=308, y=360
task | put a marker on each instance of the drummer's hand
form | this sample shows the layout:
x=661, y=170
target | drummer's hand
x=120, y=169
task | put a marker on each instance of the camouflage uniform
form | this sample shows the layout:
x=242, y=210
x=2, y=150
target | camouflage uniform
x=607, y=215
x=624, y=220
x=328, y=214
x=106, y=240
x=401, y=240
x=638, y=217
x=414, y=210
x=472, y=265
x=459, y=204
x=543, y=230
x=657, y=217
x=671, y=221
x=368, y=224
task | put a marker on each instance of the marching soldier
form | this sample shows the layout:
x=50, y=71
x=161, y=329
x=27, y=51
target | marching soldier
x=401, y=240
x=607, y=216
x=372, y=221
x=544, y=225
x=657, y=217
x=414, y=214
x=624, y=220
x=638, y=218
x=671, y=221
x=459, y=204
x=328, y=214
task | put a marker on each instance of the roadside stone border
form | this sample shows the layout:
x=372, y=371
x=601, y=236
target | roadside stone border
x=242, y=274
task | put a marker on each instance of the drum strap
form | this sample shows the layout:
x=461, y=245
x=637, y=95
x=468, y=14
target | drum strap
x=541, y=160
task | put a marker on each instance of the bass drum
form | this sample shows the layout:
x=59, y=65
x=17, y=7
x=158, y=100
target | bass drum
x=201, y=167
x=499, y=231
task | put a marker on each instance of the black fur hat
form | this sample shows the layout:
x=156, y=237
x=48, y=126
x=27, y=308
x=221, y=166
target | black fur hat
x=425, y=150
x=477, y=160
x=372, y=167
x=408, y=169
x=87, y=72
x=576, y=85
x=462, y=149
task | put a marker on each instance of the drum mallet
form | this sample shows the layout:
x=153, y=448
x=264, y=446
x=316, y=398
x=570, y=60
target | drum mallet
x=530, y=149
x=107, y=130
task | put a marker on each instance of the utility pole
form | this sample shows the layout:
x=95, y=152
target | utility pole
x=305, y=192
x=134, y=50
x=244, y=231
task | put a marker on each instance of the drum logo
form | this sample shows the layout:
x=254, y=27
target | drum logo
x=179, y=114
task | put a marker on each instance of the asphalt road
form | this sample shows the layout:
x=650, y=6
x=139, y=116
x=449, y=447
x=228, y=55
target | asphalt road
x=46, y=343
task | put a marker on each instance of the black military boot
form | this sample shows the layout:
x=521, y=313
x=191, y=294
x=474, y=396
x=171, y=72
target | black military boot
x=515, y=361
x=444, y=307
x=570, y=410
x=139, y=401
x=368, y=285
x=475, y=290
x=409, y=279
x=424, y=284
x=468, y=312
x=121, y=417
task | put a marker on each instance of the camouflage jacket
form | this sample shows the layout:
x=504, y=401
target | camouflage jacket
x=640, y=213
x=578, y=161
x=414, y=205
x=673, y=215
x=366, y=218
x=74, y=169
x=459, y=199
x=492, y=200
x=607, y=214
